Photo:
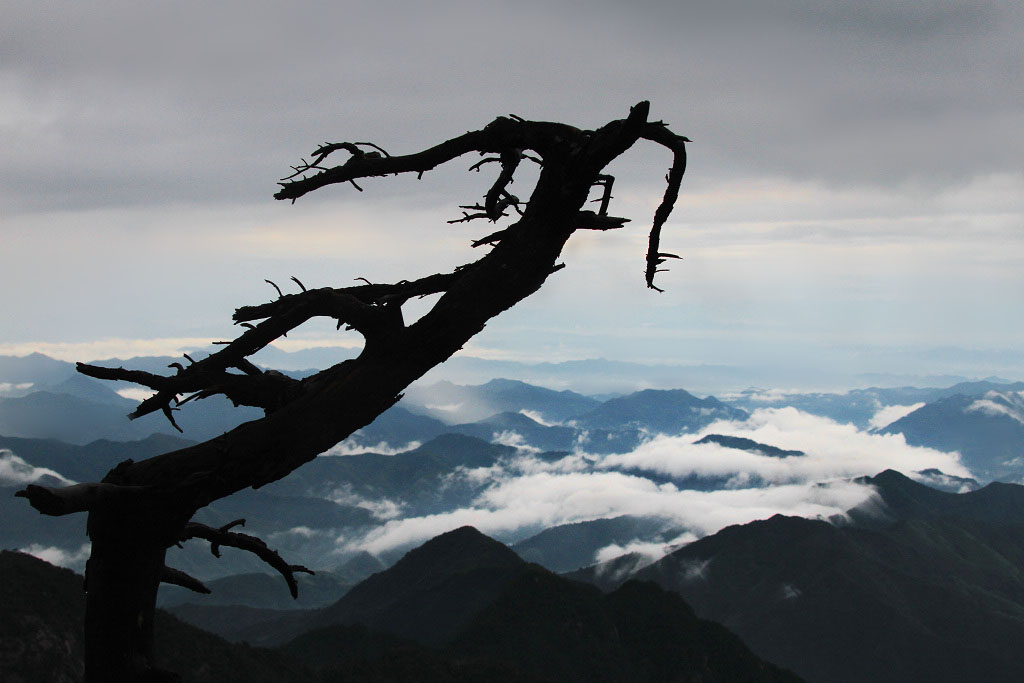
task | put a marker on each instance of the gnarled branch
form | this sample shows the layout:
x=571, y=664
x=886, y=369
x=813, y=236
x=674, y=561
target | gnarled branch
x=177, y=577
x=252, y=544
x=658, y=132
x=65, y=500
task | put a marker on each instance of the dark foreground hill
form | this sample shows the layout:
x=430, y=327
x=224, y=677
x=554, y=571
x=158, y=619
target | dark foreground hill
x=41, y=611
x=475, y=600
x=926, y=586
x=463, y=607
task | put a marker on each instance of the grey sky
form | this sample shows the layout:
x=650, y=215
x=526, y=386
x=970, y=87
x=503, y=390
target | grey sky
x=855, y=182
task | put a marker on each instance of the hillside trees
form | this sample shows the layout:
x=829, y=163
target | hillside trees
x=140, y=509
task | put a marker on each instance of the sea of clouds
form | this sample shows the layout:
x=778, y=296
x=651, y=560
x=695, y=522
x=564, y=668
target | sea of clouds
x=526, y=493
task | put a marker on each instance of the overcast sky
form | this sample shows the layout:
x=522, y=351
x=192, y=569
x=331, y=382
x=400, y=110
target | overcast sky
x=855, y=193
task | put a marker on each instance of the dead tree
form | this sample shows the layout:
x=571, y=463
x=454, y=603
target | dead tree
x=140, y=509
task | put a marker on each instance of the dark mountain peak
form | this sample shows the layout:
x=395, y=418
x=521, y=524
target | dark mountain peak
x=783, y=529
x=510, y=419
x=1003, y=501
x=937, y=479
x=457, y=550
x=501, y=383
x=743, y=444
x=888, y=478
x=460, y=443
x=669, y=411
x=360, y=566
x=433, y=591
x=661, y=394
x=905, y=498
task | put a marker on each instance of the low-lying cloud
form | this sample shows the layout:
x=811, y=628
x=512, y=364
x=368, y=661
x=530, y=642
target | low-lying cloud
x=533, y=502
x=526, y=494
x=889, y=414
x=61, y=557
x=348, y=447
x=832, y=450
x=14, y=470
x=999, y=404
x=380, y=508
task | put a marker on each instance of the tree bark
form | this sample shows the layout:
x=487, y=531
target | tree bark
x=122, y=577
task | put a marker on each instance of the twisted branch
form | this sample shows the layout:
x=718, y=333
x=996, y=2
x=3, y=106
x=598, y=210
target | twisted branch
x=658, y=132
x=223, y=536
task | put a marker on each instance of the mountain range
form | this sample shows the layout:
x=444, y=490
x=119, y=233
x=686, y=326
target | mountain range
x=918, y=585
x=911, y=583
x=462, y=607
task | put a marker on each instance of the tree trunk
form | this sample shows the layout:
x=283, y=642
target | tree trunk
x=122, y=578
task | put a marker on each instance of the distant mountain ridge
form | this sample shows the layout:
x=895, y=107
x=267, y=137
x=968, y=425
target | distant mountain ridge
x=521, y=623
x=665, y=411
x=987, y=429
x=473, y=597
x=743, y=444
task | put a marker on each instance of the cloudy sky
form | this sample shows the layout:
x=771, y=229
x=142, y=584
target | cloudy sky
x=855, y=193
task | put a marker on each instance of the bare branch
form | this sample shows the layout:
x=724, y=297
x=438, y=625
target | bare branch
x=58, y=501
x=497, y=198
x=221, y=536
x=606, y=182
x=179, y=578
x=274, y=285
x=588, y=220
x=490, y=239
x=499, y=136
x=659, y=133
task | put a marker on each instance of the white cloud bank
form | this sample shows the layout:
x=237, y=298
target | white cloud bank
x=889, y=414
x=1001, y=403
x=528, y=494
x=832, y=450
x=349, y=447
x=72, y=559
x=14, y=470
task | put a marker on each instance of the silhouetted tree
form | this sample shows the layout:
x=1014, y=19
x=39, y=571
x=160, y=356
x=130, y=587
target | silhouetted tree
x=140, y=509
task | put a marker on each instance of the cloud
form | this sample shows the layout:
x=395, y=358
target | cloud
x=788, y=591
x=538, y=417
x=347, y=447
x=514, y=439
x=524, y=494
x=889, y=414
x=444, y=407
x=14, y=470
x=381, y=508
x=299, y=531
x=1001, y=404
x=651, y=551
x=72, y=559
x=694, y=570
x=135, y=393
x=528, y=503
x=832, y=450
